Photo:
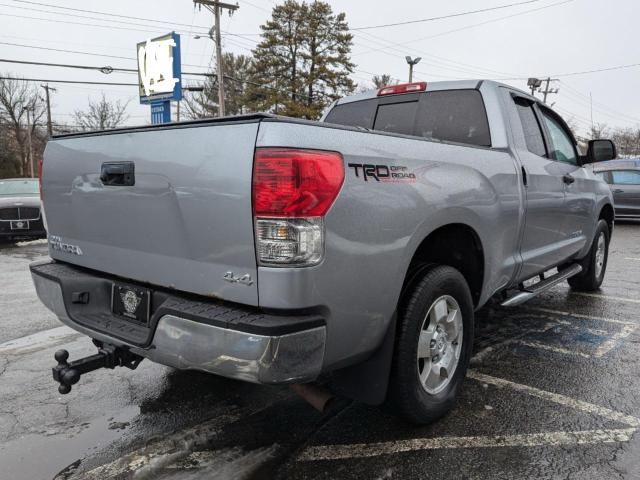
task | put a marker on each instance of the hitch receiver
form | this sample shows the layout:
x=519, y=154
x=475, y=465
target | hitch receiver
x=108, y=356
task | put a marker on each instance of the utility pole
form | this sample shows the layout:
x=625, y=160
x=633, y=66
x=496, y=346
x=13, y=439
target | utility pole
x=547, y=90
x=591, y=103
x=29, y=142
x=216, y=6
x=49, y=125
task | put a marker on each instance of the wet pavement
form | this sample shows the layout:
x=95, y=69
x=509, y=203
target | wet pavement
x=553, y=392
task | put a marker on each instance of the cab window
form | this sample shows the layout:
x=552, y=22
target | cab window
x=530, y=127
x=562, y=147
x=626, y=177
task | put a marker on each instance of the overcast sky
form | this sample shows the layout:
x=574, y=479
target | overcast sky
x=540, y=38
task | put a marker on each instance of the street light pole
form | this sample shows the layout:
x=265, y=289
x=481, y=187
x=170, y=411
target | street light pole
x=216, y=6
x=412, y=62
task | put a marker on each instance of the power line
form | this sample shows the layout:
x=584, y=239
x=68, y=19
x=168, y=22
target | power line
x=393, y=46
x=108, y=14
x=31, y=9
x=79, y=52
x=106, y=69
x=130, y=17
x=83, y=82
x=122, y=84
x=150, y=29
x=475, y=69
x=442, y=17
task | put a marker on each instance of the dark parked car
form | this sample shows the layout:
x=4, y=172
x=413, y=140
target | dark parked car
x=20, y=215
x=624, y=178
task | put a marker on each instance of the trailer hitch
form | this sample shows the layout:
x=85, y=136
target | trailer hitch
x=108, y=356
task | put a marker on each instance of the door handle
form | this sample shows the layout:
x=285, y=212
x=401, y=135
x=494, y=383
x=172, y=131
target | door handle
x=618, y=190
x=568, y=179
x=118, y=174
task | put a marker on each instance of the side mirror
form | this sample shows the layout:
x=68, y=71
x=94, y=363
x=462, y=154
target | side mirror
x=600, y=151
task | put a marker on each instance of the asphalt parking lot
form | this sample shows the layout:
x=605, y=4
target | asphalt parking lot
x=553, y=392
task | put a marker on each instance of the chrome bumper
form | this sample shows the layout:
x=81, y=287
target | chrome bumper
x=186, y=344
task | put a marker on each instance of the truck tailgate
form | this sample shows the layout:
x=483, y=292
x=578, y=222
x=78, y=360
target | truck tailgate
x=184, y=224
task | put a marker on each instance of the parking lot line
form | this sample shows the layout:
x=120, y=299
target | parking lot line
x=543, y=346
x=632, y=258
x=362, y=450
x=608, y=297
x=581, y=405
x=38, y=340
x=579, y=315
x=582, y=437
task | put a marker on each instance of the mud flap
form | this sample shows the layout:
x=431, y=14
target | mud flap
x=367, y=382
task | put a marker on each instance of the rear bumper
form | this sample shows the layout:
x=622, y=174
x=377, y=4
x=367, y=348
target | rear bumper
x=211, y=336
x=35, y=229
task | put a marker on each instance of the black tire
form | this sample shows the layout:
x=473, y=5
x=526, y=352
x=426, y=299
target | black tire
x=406, y=394
x=589, y=279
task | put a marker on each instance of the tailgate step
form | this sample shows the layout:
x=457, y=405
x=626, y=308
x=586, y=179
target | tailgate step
x=528, y=293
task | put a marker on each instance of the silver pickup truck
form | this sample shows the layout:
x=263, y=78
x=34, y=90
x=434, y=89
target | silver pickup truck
x=353, y=250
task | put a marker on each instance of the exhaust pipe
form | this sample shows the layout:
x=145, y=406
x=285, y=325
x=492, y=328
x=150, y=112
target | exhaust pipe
x=315, y=396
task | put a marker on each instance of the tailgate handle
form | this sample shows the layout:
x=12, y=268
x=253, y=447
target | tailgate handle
x=118, y=174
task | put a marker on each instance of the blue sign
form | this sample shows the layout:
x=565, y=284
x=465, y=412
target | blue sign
x=159, y=69
x=161, y=111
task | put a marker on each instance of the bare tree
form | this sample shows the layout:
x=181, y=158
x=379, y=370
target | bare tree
x=19, y=99
x=101, y=115
x=378, y=81
x=627, y=141
x=383, y=80
x=598, y=130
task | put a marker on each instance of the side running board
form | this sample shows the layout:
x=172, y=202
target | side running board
x=528, y=293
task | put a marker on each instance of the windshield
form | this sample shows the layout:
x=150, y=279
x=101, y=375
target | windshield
x=19, y=187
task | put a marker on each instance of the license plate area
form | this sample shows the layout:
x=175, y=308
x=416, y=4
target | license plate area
x=131, y=303
x=19, y=225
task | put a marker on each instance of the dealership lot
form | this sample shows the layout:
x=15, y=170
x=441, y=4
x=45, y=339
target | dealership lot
x=553, y=392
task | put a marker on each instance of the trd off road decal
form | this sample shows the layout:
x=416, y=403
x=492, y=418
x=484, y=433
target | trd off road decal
x=382, y=173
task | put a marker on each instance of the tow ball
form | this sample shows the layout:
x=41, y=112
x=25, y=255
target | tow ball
x=108, y=356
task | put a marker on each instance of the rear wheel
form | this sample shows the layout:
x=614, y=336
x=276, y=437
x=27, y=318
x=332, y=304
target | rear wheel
x=433, y=345
x=594, y=265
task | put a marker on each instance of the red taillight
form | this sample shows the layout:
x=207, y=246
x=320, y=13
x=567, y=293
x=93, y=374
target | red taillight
x=40, y=165
x=403, y=88
x=289, y=182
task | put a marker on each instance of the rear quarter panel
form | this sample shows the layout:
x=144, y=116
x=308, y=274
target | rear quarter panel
x=375, y=227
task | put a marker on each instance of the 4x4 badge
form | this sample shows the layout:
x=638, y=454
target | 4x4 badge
x=244, y=280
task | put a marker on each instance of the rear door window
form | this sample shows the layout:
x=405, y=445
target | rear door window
x=396, y=117
x=530, y=127
x=454, y=116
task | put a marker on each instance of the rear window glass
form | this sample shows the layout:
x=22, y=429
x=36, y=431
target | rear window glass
x=19, y=187
x=396, y=117
x=454, y=116
x=450, y=115
x=355, y=114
